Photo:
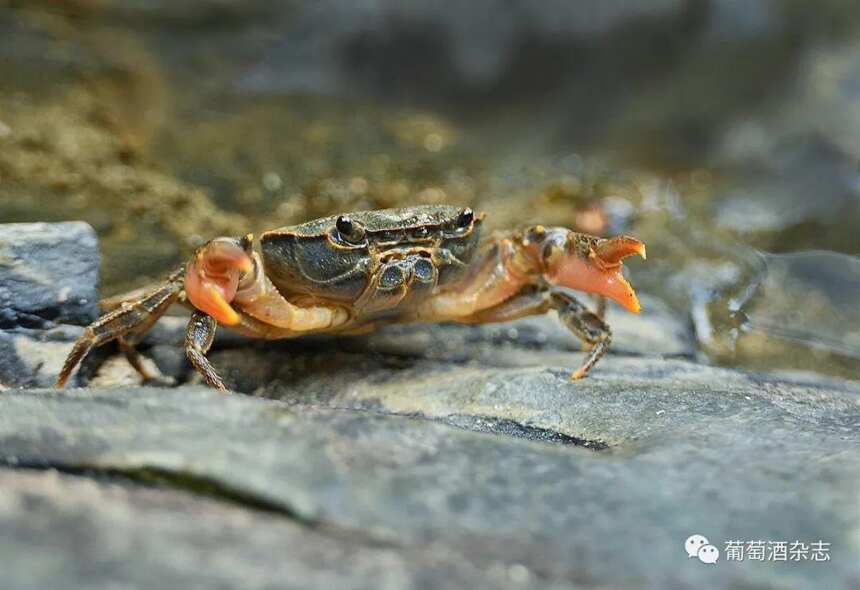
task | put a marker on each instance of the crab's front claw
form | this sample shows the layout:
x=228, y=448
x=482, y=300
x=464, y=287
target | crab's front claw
x=614, y=250
x=212, y=278
x=593, y=265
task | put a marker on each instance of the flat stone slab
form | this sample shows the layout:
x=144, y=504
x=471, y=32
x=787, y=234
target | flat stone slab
x=686, y=450
x=104, y=533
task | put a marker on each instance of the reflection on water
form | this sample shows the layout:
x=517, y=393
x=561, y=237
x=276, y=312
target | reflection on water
x=802, y=307
x=711, y=130
x=810, y=297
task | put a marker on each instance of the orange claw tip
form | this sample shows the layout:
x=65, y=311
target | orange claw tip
x=591, y=277
x=619, y=290
x=614, y=250
x=217, y=307
x=210, y=295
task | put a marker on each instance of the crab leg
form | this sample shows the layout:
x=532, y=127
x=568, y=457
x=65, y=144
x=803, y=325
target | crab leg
x=516, y=276
x=585, y=324
x=135, y=359
x=198, y=339
x=130, y=316
x=530, y=301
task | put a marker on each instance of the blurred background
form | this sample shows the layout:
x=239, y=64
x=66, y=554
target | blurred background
x=724, y=133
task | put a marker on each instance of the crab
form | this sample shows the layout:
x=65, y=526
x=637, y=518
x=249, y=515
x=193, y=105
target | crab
x=348, y=274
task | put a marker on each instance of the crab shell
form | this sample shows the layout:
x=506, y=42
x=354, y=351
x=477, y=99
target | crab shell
x=388, y=255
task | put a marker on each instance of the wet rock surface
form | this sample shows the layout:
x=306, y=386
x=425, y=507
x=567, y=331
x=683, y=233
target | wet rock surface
x=112, y=533
x=48, y=283
x=33, y=358
x=514, y=476
x=48, y=274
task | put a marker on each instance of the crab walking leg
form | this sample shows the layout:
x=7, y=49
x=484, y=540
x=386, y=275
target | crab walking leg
x=128, y=317
x=111, y=303
x=128, y=343
x=530, y=301
x=135, y=359
x=585, y=324
x=198, y=339
x=546, y=259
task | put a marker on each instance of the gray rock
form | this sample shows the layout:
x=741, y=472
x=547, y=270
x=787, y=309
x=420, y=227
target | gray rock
x=690, y=449
x=33, y=358
x=109, y=534
x=170, y=360
x=48, y=274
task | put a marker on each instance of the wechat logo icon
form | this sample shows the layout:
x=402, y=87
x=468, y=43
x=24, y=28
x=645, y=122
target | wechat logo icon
x=699, y=546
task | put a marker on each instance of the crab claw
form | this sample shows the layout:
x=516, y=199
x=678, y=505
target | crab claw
x=212, y=278
x=600, y=271
x=614, y=250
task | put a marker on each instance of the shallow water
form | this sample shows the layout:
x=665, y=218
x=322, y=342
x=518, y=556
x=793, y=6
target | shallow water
x=727, y=146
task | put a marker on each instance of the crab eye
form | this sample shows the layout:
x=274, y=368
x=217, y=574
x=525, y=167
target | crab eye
x=344, y=225
x=465, y=218
x=349, y=230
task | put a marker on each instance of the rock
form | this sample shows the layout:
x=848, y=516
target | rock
x=116, y=371
x=687, y=449
x=170, y=361
x=114, y=534
x=808, y=143
x=48, y=274
x=33, y=358
x=48, y=277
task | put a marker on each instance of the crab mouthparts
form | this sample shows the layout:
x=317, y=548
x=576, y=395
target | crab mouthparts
x=601, y=273
x=212, y=279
